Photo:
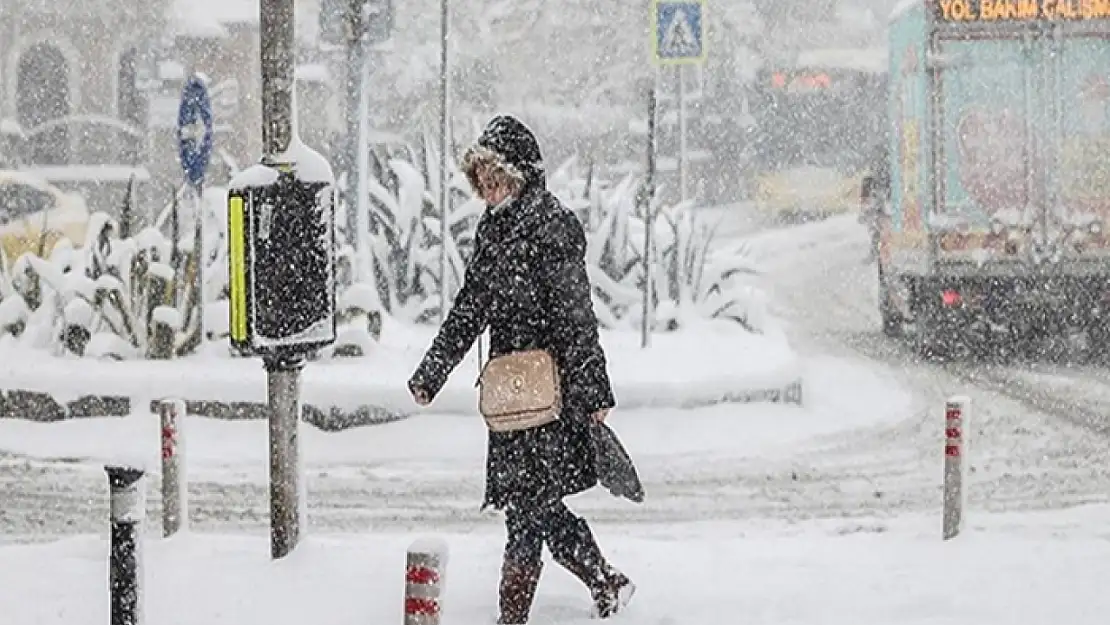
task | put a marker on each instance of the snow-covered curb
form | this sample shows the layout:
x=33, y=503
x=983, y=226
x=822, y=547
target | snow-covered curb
x=716, y=363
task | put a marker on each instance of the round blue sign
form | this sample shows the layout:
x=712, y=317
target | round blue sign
x=194, y=130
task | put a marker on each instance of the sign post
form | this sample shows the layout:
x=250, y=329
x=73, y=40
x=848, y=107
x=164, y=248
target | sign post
x=281, y=265
x=444, y=144
x=194, y=149
x=646, y=200
x=678, y=39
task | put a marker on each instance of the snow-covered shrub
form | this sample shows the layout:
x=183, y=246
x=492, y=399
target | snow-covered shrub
x=177, y=223
x=358, y=310
x=403, y=263
x=113, y=297
x=688, y=280
x=394, y=269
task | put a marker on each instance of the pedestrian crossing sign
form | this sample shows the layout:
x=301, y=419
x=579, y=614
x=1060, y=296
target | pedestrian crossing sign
x=678, y=31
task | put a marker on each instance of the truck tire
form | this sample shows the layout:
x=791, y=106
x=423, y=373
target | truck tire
x=892, y=322
x=934, y=338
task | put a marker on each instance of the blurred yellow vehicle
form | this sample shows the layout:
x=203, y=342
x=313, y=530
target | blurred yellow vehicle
x=35, y=215
x=807, y=192
x=815, y=123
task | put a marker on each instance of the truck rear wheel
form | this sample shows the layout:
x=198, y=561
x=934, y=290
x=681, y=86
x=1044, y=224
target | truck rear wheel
x=938, y=333
x=892, y=321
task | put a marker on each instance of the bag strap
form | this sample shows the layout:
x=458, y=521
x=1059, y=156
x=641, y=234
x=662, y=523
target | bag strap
x=482, y=362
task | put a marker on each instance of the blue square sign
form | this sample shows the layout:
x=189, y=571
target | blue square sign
x=678, y=31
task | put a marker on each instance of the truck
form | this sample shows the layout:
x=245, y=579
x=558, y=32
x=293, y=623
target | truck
x=996, y=228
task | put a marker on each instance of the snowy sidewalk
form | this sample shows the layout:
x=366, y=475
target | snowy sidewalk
x=1031, y=570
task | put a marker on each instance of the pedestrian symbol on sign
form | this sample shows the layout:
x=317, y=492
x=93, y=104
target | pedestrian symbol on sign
x=678, y=33
x=679, y=40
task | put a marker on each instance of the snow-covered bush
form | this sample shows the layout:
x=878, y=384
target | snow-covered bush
x=113, y=297
x=358, y=310
x=394, y=269
x=689, y=281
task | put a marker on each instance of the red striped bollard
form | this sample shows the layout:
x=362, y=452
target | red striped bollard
x=175, y=504
x=956, y=413
x=424, y=568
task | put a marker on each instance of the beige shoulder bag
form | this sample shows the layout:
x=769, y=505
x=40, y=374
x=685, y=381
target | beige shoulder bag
x=520, y=391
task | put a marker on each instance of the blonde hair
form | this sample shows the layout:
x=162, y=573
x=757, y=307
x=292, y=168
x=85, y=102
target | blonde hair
x=502, y=172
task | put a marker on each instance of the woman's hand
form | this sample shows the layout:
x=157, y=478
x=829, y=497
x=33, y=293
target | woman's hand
x=420, y=396
x=600, y=415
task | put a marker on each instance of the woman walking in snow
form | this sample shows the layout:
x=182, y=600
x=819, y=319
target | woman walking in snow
x=527, y=283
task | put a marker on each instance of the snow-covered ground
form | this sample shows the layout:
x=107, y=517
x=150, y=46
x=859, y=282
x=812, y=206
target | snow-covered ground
x=1028, y=570
x=823, y=513
x=427, y=470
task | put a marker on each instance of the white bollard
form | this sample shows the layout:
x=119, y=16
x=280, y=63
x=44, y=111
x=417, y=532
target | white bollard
x=957, y=410
x=424, y=568
x=175, y=503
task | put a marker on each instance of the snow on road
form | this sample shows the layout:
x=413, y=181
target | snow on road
x=1037, y=441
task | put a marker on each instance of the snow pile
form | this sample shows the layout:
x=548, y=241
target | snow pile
x=711, y=363
x=702, y=440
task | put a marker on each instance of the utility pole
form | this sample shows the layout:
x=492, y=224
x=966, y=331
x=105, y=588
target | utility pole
x=647, y=204
x=355, y=72
x=444, y=143
x=282, y=374
x=281, y=267
x=683, y=164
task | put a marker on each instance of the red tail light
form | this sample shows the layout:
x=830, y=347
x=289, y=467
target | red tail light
x=950, y=298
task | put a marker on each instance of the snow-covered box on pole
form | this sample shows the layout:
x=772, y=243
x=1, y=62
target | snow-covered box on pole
x=281, y=262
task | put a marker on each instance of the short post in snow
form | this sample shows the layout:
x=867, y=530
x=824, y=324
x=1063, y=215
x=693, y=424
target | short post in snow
x=281, y=265
x=424, y=569
x=175, y=504
x=127, y=507
x=956, y=413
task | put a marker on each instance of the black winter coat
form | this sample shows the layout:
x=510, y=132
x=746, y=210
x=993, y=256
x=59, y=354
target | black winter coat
x=527, y=282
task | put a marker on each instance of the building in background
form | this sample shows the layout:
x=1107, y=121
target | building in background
x=72, y=103
x=89, y=91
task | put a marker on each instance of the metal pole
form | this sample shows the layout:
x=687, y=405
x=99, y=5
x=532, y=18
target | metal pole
x=444, y=130
x=127, y=507
x=361, y=237
x=198, y=252
x=682, y=164
x=175, y=507
x=283, y=393
x=276, y=20
x=353, y=103
x=282, y=373
x=647, y=200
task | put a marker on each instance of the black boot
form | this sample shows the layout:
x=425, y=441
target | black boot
x=517, y=591
x=576, y=550
x=614, y=594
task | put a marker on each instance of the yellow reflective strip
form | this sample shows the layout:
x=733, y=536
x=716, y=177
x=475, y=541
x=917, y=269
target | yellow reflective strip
x=237, y=266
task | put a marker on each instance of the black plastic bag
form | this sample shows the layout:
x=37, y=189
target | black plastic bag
x=615, y=469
